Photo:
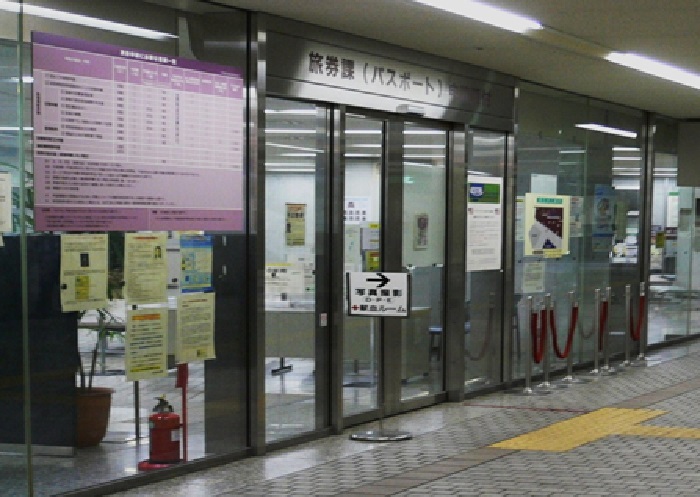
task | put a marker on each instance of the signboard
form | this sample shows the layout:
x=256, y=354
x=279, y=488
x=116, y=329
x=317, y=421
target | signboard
x=379, y=294
x=484, y=223
x=131, y=140
x=196, y=256
x=547, y=224
x=332, y=66
x=145, y=268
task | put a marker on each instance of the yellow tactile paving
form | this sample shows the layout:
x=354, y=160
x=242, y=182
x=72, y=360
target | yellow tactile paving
x=572, y=433
x=661, y=431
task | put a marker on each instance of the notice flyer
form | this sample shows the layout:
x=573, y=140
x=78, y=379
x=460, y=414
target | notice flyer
x=196, y=256
x=83, y=272
x=484, y=223
x=356, y=210
x=146, y=347
x=295, y=230
x=577, y=217
x=533, y=277
x=195, y=327
x=5, y=202
x=547, y=225
x=145, y=268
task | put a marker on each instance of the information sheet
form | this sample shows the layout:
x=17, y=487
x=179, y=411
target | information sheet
x=145, y=268
x=195, y=327
x=146, y=348
x=295, y=231
x=546, y=225
x=577, y=217
x=356, y=210
x=5, y=202
x=196, y=255
x=484, y=223
x=126, y=139
x=533, y=277
x=603, y=220
x=83, y=272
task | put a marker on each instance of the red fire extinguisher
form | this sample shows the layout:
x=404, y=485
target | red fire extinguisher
x=164, y=428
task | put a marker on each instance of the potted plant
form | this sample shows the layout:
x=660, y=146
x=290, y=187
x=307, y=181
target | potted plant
x=93, y=404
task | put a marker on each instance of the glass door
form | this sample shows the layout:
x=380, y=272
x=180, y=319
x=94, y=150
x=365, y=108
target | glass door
x=362, y=215
x=296, y=298
x=394, y=220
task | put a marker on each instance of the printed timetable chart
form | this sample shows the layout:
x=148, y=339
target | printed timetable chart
x=132, y=140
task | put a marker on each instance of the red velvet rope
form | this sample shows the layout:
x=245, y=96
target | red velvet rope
x=570, y=335
x=603, y=321
x=538, y=335
x=636, y=331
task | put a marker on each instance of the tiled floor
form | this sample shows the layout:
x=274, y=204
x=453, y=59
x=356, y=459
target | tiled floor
x=452, y=454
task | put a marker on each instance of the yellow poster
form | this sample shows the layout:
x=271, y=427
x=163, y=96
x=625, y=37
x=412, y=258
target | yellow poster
x=145, y=268
x=296, y=225
x=83, y=272
x=195, y=327
x=146, y=348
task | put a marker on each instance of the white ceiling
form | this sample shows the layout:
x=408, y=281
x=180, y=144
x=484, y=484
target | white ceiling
x=663, y=29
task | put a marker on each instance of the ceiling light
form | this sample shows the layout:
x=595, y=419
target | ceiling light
x=486, y=14
x=625, y=149
x=607, y=129
x=294, y=147
x=289, y=131
x=363, y=131
x=637, y=159
x=572, y=151
x=292, y=112
x=655, y=68
x=92, y=22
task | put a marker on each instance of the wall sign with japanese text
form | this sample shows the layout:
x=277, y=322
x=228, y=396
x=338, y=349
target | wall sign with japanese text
x=343, y=68
x=131, y=140
x=379, y=294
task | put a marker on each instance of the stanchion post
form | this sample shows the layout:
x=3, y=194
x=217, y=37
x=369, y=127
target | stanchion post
x=596, y=333
x=546, y=385
x=528, y=363
x=570, y=379
x=628, y=338
x=641, y=359
x=607, y=369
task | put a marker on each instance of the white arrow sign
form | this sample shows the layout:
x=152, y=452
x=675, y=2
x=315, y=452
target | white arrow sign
x=379, y=294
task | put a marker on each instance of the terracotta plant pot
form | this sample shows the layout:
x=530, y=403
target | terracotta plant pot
x=92, y=408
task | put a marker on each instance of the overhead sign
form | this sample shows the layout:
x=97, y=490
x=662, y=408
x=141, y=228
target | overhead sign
x=379, y=294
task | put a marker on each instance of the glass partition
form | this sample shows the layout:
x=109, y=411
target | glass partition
x=484, y=248
x=121, y=249
x=672, y=247
x=589, y=156
x=15, y=221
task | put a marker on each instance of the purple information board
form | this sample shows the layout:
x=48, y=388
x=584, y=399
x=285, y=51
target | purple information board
x=132, y=140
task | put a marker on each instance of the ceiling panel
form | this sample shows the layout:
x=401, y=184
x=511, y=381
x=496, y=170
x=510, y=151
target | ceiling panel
x=666, y=30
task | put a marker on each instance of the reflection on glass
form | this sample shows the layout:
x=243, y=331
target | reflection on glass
x=672, y=250
x=290, y=293
x=362, y=216
x=424, y=208
x=601, y=174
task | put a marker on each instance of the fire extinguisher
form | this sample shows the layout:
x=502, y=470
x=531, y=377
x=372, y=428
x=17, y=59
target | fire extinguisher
x=164, y=428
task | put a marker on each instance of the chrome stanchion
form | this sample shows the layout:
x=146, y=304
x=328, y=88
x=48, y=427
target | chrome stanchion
x=546, y=361
x=607, y=369
x=596, y=332
x=528, y=390
x=628, y=326
x=570, y=379
x=641, y=359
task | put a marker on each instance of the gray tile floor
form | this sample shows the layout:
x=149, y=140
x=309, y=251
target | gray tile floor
x=450, y=454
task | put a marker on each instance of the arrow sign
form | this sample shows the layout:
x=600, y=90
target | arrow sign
x=378, y=294
x=383, y=280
